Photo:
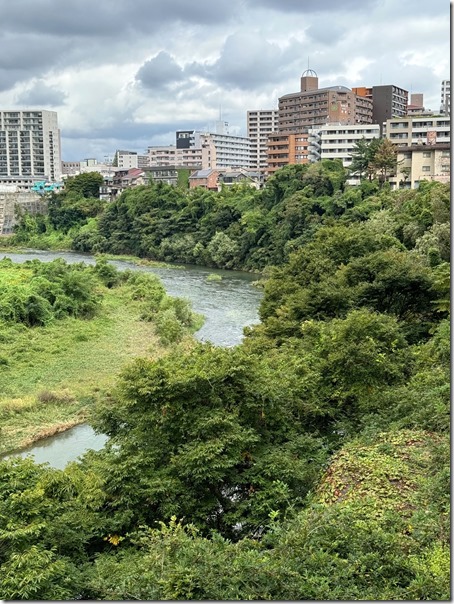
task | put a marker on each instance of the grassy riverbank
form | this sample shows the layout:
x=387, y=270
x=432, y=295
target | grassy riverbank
x=51, y=375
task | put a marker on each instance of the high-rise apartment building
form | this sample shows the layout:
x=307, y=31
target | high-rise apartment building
x=388, y=101
x=29, y=147
x=260, y=124
x=445, y=106
x=313, y=106
x=218, y=149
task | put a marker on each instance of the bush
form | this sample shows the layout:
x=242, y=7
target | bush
x=168, y=327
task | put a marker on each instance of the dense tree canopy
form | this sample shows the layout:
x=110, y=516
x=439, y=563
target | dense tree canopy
x=311, y=462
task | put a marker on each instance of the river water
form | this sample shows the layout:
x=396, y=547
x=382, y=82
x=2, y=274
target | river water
x=228, y=305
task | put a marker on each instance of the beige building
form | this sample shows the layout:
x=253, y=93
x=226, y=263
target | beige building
x=418, y=130
x=417, y=162
x=172, y=156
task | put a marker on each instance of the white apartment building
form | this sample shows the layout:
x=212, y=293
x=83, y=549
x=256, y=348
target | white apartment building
x=260, y=124
x=30, y=147
x=127, y=160
x=337, y=141
x=223, y=150
x=418, y=130
x=445, y=105
x=172, y=156
x=203, y=150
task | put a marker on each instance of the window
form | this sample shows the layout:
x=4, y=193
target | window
x=426, y=168
x=427, y=154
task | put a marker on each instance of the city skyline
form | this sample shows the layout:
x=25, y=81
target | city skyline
x=125, y=76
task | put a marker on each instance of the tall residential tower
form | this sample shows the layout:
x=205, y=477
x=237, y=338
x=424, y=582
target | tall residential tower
x=29, y=147
x=260, y=124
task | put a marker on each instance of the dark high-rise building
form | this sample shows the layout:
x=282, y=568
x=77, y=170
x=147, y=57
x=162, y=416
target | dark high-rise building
x=388, y=101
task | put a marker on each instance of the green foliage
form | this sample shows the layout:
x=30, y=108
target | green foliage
x=85, y=185
x=205, y=430
x=36, y=293
x=108, y=274
x=376, y=529
x=46, y=519
x=309, y=463
x=363, y=155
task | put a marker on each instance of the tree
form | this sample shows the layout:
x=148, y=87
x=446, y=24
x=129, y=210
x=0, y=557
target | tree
x=210, y=436
x=86, y=185
x=362, y=157
x=385, y=159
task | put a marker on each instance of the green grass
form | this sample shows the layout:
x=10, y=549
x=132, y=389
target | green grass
x=51, y=376
x=141, y=261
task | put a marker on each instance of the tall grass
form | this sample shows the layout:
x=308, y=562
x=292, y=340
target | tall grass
x=52, y=375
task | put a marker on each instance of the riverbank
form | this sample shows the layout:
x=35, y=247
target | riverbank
x=52, y=375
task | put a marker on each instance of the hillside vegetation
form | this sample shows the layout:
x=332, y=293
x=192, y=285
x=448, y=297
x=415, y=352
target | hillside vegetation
x=311, y=462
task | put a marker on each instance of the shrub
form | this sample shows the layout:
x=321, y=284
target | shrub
x=168, y=327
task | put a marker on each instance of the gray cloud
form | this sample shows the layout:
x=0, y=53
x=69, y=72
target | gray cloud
x=313, y=6
x=160, y=71
x=42, y=94
x=109, y=17
x=248, y=61
x=325, y=32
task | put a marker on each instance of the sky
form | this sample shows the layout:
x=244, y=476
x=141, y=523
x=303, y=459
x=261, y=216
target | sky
x=127, y=75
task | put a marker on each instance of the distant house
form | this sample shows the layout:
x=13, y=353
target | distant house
x=240, y=176
x=214, y=180
x=126, y=179
x=207, y=179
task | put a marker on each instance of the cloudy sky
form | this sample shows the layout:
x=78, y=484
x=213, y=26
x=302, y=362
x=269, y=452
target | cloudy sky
x=127, y=75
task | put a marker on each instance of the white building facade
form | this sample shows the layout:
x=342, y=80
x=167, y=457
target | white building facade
x=223, y=150
x=260, y=124
x=30, y=147
x=338, y=141
x=203, y=150
x=445, y=105
x=418, y=130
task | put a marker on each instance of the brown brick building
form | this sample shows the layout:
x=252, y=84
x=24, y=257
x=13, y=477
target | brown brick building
x=313, y=106
x=286, y=148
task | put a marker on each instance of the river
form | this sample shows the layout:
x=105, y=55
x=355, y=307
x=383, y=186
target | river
x=228, y=305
